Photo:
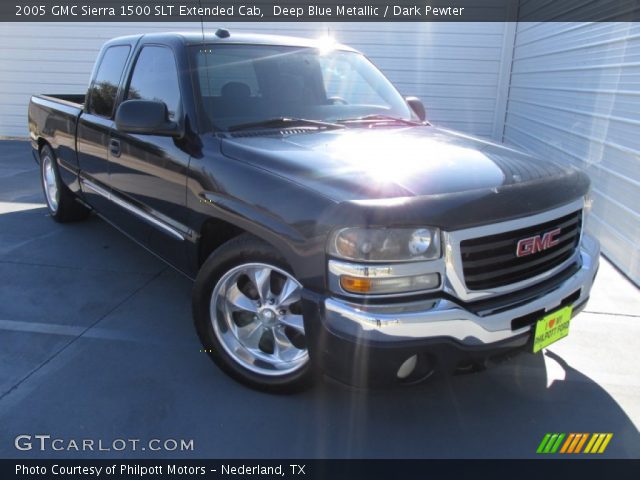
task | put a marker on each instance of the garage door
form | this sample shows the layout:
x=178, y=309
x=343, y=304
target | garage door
x=575, y=97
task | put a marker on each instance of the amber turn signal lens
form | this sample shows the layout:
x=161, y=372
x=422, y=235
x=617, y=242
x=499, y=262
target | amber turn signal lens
x=389, y=285
x=355, y=284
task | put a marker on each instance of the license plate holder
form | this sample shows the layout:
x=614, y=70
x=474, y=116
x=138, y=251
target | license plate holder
x=551, y=328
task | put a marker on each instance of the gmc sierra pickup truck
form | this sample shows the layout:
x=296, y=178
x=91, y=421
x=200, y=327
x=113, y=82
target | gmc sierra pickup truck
x=327, y=225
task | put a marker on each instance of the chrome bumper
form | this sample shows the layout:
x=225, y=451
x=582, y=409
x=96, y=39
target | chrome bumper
x=443, y=318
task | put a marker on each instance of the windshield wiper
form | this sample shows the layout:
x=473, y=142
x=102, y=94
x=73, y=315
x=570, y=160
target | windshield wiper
x=375, y=118
x=280, y=122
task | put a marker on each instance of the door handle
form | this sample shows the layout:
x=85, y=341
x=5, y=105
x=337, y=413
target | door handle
x=114, y=147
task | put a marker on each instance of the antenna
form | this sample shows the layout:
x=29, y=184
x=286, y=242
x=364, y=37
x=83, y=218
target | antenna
x=201, y=19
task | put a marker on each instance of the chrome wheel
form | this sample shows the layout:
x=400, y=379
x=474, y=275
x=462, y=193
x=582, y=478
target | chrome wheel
x=50, y=184
x=256, y=314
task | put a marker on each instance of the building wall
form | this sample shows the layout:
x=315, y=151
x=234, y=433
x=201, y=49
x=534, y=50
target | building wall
x=454, y=67
x=575, y=97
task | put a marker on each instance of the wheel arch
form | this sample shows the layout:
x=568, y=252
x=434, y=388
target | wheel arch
x=216, y=231
x=42, y=142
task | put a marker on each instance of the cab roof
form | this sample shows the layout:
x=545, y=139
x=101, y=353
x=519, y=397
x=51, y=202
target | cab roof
x=197, y=38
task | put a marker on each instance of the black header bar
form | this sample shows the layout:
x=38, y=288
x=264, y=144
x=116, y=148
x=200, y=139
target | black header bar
x=319, y=10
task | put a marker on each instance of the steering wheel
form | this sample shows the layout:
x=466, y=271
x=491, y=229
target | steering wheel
x=337, y=101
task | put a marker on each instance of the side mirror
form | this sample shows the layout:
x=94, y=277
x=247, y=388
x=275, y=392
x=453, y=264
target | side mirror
x=417, y=106
x=147, y=117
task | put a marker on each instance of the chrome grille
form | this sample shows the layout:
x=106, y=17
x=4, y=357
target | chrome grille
x=491, y=261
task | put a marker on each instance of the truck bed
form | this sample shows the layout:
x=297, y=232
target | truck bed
x=54, y=118
x=75, y=99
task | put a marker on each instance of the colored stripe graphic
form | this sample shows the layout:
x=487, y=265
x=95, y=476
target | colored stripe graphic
x=591, y=442
x=598, y=443
x=581, y=443
x=550, y=443
x=596, y=446
x=556, y=445
x=605, y=443
x=576, y=439
x=574, y=442
x=565, y=447
x=544, y=441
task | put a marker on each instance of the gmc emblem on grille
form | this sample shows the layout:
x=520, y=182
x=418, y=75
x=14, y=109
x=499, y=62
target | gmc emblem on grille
x=537, y=243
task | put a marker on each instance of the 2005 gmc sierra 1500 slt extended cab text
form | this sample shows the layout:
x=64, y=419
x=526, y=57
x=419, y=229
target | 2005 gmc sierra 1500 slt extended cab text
x=327, y=225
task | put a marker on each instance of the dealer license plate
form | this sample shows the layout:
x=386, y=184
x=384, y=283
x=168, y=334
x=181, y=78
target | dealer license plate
x=551, y=328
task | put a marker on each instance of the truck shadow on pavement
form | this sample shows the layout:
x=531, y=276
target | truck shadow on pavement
x=503, y=411
x=98, y=342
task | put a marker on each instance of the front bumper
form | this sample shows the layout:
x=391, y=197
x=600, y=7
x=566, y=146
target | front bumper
x=366, y=344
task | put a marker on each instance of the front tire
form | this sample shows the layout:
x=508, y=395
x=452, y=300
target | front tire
x=61, y=202
x=248, y=314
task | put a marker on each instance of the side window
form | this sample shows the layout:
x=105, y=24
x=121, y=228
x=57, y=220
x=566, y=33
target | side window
x=155, y=77
x=102, y=96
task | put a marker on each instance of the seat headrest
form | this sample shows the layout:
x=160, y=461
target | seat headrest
x=235, y=90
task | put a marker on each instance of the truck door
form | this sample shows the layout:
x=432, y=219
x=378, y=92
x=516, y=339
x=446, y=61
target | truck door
x=148, y=172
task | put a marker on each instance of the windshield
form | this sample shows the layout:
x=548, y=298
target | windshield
x=247, y=84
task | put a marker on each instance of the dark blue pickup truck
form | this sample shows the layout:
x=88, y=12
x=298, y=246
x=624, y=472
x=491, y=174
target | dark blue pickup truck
x=327, y=225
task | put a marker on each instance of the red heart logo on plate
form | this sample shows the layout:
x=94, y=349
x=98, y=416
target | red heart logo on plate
x=552, y=322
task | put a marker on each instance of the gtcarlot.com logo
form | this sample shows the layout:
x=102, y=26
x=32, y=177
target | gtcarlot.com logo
x=574, y=443
x=49, y=443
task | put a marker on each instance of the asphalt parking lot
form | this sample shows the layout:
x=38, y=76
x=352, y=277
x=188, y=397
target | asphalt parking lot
x=96, y=341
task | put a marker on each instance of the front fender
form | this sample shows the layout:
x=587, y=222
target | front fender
x=286, y=215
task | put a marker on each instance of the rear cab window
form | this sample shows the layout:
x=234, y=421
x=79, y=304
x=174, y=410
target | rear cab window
x=102, y=94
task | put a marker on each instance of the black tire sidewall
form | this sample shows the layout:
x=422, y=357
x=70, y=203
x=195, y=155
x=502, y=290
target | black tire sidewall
x=241, y=250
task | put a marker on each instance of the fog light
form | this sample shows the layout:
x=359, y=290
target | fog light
x=407, y=367
x=381, y=285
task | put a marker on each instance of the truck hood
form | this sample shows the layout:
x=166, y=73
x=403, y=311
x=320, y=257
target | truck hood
x=378, y=163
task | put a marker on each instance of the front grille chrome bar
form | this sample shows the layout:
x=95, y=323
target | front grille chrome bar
x=481, y=275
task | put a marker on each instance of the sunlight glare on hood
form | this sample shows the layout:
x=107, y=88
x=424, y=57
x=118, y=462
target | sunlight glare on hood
x=387, y=157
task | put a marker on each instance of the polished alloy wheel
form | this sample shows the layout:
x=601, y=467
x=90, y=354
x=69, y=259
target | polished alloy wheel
x=256, y=314
x=50, y=183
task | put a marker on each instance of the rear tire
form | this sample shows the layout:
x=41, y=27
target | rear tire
x=246, y=308
x=62, y=204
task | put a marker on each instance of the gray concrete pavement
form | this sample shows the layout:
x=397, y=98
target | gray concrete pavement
x=96, y=341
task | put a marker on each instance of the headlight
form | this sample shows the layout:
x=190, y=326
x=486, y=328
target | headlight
x=385, y=244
